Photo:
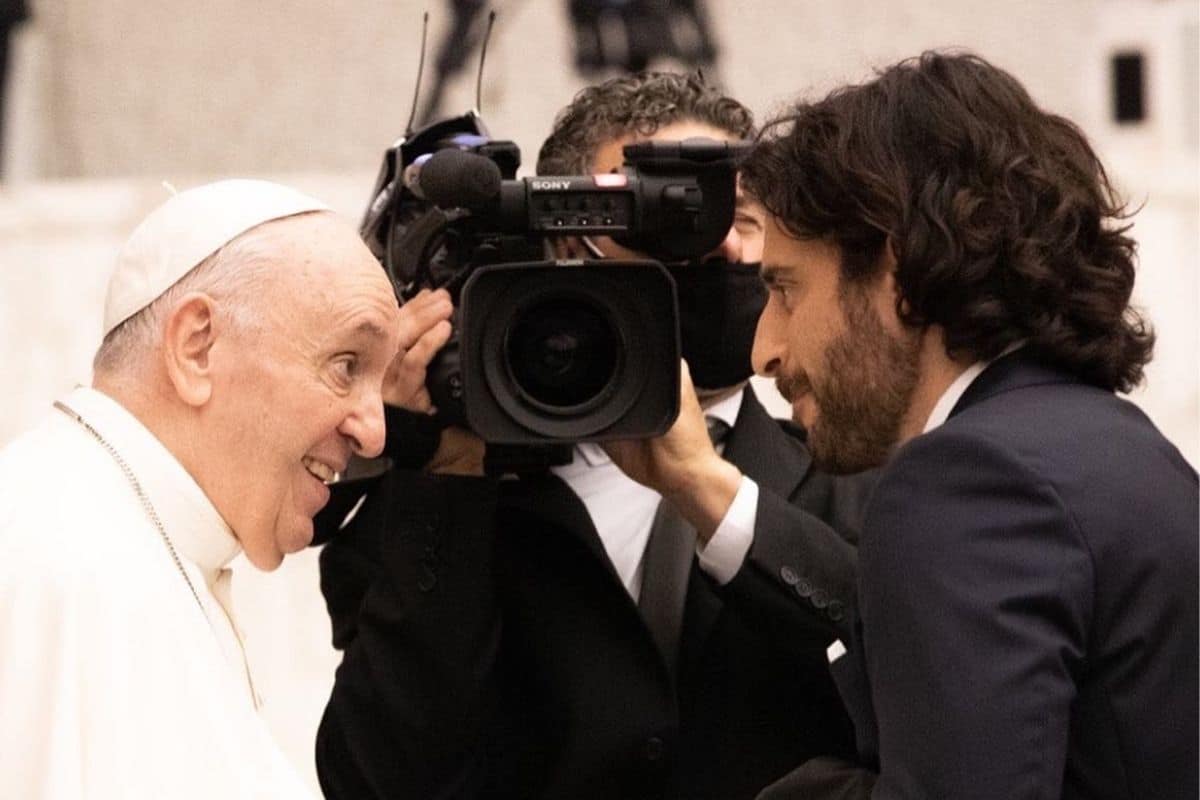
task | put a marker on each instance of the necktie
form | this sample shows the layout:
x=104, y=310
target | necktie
x=718, y=429
x=666, y=567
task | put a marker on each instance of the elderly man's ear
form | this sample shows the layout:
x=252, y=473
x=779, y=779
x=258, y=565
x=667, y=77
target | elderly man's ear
x=187, y=348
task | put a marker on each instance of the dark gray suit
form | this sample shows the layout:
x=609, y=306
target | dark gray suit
x=492, y=651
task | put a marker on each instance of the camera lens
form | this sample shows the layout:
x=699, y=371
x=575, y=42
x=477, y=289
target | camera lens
x=562, y=352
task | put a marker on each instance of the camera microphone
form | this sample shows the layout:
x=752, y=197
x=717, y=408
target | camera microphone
x=454, y=178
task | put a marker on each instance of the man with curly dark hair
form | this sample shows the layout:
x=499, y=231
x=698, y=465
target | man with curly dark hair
x=636, y=106
x=567, y=634
x=950, y=275
x=719, y=303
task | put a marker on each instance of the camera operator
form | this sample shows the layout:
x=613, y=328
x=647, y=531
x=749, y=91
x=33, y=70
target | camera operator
x=567, y=634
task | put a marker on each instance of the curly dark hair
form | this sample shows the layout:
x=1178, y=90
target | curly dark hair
x=639, y=104
x=1004, y=225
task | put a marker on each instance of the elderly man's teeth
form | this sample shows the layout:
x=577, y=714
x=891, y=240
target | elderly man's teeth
x=320, y=471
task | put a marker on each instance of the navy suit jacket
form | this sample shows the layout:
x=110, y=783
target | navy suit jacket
x=1028, y=598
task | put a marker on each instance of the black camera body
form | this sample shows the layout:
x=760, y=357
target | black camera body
x=674, y=200
x=549, y=352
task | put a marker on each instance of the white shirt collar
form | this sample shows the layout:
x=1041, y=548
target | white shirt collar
x=726, y=410
x=192, y=522
x=945, y=404
x=955, y=391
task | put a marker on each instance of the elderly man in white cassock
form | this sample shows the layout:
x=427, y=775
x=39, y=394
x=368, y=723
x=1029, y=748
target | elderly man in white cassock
x=247, y=331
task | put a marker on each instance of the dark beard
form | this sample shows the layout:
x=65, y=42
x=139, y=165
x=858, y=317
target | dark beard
x=862, y=397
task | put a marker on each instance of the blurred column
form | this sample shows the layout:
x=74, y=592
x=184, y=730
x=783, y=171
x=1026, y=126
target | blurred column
x=12, y=14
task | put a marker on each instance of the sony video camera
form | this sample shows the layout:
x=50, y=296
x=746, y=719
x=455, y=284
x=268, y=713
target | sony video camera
x=549, y=352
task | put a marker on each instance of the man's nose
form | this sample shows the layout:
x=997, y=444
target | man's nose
x=767, y=353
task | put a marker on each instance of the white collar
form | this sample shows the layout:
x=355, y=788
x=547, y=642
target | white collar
x=726, y=410
x=192, y=522
x=945, y=404
x=955, y=391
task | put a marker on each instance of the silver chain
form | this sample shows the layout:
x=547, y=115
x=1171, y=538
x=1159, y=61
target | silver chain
x=153, y=515
x=141, y=494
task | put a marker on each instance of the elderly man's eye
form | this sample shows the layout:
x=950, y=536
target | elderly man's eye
x=345, y=367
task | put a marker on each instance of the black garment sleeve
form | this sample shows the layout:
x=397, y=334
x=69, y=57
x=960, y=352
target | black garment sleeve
x=412, y=437
x=800, y=574
x=410, y=588
x=411, y=441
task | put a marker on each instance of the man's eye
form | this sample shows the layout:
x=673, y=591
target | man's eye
x=345, y=368
x=784, y=294
x=746, y=223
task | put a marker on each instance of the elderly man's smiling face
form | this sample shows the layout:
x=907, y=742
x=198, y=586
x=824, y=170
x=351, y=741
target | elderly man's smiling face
x=298, y=390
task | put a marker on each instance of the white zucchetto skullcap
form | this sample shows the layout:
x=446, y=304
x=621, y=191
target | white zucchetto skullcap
x=187, y=229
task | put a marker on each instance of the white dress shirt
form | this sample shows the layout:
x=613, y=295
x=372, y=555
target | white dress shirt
x=114, y=681
x=954, y=392
x=623, y=509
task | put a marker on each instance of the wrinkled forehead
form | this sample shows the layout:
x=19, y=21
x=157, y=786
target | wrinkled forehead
x=324, y=268
x=323, y=245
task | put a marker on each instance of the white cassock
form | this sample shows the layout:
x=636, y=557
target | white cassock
x=114, y=681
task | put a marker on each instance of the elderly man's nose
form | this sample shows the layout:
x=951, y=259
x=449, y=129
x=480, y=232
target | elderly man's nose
x=366, y=428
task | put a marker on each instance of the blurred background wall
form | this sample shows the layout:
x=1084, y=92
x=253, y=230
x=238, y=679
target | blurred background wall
x=104, y=99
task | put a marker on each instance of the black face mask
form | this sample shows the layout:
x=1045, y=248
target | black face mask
x=719, y=306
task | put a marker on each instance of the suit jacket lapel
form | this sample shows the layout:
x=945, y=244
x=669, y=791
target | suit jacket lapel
x=754, y=447
x=547, y=498
x=666, y=569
